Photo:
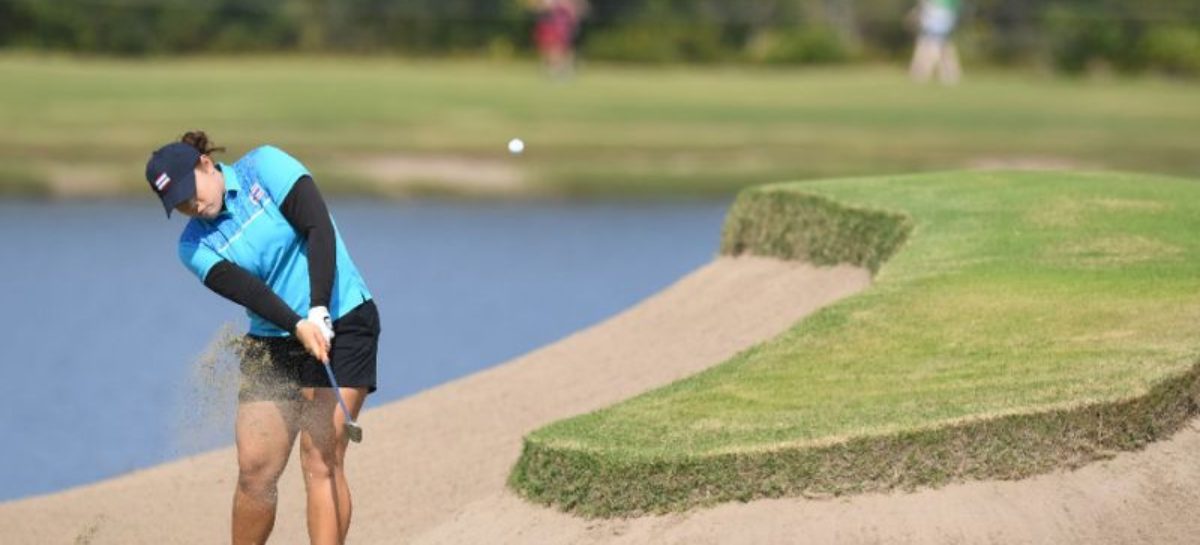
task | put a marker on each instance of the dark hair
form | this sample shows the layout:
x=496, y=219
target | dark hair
x=200, y=141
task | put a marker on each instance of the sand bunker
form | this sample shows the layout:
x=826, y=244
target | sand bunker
x=76, y=180
x=459, y=174
x=434, y=467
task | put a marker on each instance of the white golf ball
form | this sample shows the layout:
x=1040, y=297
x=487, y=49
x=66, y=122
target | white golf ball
x=516, y=145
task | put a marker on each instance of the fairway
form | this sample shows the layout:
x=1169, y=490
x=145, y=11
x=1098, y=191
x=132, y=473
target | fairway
x=1029, y=321
x=396, y=127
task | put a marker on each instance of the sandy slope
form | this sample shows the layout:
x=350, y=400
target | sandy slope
x=1145, y=497
x=441, y=457
x=433, y=467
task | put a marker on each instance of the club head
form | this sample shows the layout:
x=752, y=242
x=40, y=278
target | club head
x=354, y=432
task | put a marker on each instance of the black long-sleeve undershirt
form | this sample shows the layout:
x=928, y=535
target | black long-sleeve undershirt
x=240, y=286
x=305, y=210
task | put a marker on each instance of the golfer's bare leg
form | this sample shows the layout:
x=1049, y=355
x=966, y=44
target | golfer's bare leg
x=322, y=454
x=265, y=433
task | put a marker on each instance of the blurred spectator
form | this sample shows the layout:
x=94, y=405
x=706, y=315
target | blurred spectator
x=555, y=33
x=935, y=20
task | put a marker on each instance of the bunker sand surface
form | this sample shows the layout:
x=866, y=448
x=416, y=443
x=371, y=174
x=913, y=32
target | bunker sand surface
x=434, y=466
x=429, y=456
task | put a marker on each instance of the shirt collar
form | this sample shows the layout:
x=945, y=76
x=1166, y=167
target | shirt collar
x=232, y=183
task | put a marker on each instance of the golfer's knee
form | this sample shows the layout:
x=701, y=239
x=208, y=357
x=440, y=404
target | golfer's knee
x=258, y=486
x=319, y=463
x=258, y=479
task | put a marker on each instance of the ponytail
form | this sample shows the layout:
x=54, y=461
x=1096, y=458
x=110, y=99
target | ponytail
x=200, y=141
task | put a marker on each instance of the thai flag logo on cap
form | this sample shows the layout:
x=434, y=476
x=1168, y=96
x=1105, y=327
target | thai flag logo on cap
x=162, y=181
x=257, y=193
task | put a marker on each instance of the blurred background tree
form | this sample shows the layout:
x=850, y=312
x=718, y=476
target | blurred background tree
x=1072, y=36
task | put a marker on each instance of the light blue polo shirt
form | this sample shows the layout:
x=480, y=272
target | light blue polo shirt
x=252, y=233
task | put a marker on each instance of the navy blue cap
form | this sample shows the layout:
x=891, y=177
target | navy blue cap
x=171, y=173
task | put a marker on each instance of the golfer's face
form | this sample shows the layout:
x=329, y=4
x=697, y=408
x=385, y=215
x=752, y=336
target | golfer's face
x=210, y=189
x=193, y=208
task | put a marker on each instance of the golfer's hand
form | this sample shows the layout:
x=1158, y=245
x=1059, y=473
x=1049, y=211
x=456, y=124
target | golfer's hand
x=309, y=335
x=320, y=316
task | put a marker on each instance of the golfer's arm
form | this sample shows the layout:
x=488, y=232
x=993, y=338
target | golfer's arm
x=238, y=285
x=305, y=210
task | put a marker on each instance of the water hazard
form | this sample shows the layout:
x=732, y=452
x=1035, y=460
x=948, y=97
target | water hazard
x=104, y=330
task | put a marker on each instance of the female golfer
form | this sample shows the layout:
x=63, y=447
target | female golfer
x=260, y=236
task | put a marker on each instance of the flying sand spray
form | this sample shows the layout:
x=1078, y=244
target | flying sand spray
x=207, y=401
x=207, y=404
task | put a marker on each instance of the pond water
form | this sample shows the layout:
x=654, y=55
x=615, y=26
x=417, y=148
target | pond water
x=103, y=327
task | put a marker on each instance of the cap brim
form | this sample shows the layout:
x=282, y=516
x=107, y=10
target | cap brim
x=181, y=189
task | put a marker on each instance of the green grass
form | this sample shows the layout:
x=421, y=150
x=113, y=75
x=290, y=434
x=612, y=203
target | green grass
x=1029, y=321
x=814, y=229
x=613, y=131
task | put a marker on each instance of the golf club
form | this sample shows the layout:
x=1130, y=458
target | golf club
x=353, y=431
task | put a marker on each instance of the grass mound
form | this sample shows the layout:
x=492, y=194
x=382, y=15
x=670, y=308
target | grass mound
x=812, y=228
x=1030, y=321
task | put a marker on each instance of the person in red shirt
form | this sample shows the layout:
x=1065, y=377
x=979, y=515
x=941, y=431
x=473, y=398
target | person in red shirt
x=555, y=32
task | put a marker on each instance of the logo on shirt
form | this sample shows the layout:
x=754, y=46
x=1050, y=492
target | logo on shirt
x=162, y=182
x=257, y=193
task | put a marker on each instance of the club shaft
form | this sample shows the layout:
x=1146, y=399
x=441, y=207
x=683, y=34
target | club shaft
x=337, y=391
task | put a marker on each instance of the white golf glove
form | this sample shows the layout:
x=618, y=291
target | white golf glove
x=320, y=316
